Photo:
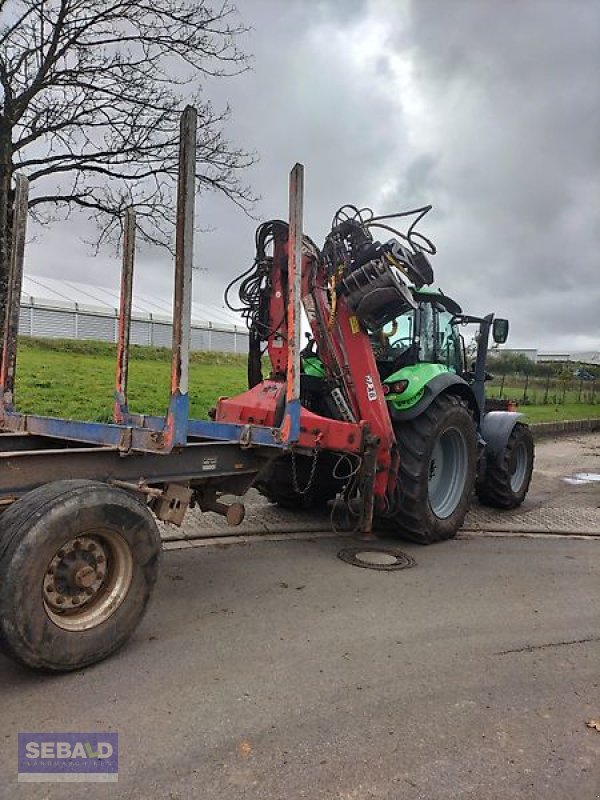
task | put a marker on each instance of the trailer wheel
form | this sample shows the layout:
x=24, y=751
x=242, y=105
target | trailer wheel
x=506, y=480
x=78, y=561
x=438, y=454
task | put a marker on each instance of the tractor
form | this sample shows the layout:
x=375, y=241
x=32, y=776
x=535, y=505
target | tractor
x=392, y=419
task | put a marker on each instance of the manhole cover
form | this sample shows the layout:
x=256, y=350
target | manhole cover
x=376, y=558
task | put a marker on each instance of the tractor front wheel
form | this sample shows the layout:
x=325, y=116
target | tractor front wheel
x=438, y=455
x=507, y=476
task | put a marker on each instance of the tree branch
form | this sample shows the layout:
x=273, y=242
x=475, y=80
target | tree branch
x=93, y=93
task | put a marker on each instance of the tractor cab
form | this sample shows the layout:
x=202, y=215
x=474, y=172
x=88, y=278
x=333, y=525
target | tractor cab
x=426, y=334
x=422, y=352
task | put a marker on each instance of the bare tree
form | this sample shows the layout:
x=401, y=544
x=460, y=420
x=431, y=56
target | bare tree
x=92, y=92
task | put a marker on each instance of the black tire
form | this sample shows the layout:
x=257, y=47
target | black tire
x=506, y=480
x=276, y=483
x=56, y=534
x=443, y=436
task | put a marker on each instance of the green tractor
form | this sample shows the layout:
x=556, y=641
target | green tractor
x=450, y=444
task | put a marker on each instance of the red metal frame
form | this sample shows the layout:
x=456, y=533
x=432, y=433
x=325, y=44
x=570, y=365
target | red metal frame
x=259, y=406
x=344, y=348
x=347, y=352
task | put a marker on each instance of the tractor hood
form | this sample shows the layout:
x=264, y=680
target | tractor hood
x=417, y=377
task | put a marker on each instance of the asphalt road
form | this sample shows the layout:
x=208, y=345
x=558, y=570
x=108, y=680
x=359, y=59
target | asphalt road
x=275, y=670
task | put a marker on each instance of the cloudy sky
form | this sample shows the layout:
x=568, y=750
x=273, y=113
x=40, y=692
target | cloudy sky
x=487, y=109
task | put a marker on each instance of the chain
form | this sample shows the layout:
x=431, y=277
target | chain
x=311, y=477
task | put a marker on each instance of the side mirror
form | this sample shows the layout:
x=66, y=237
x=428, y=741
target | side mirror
x=500, y=330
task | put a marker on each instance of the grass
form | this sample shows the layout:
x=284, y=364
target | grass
x=75, y=379
x=560, y=413
x=558, y=393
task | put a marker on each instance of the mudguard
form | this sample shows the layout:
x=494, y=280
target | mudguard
x=496, y=428
x=434, y=387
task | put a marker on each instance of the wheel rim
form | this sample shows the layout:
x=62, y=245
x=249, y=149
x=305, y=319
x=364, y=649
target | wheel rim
x=519, y=467
x=87, y=579
x=447, y=473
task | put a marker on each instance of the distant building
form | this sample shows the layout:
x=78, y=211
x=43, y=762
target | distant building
x=542, y=357
x=591, y=357
x=62, y=309
x=588, y=357
x=531, y=354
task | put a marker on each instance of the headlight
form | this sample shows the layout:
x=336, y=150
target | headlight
x=395, y=388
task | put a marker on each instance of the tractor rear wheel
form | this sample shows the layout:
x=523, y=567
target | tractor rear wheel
x=438, y=456
x=507, y=478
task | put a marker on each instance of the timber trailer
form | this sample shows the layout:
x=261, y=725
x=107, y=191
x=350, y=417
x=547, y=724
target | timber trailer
x=79, y=543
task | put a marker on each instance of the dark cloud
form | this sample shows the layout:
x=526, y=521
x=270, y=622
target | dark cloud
x=513, y=114
x=487, y=109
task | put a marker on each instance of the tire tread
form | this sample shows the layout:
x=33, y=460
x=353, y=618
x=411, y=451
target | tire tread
x=414, y=438
x=494, y=489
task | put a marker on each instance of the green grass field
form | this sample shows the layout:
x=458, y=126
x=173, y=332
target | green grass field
x=76, y=380
x=557, y=394
x=561, y=413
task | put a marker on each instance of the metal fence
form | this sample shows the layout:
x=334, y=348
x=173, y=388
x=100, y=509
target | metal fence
x=74, y=321
x=548, y=390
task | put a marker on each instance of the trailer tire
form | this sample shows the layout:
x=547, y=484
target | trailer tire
x=431, y=506
x=506, y=480
x=78, y=561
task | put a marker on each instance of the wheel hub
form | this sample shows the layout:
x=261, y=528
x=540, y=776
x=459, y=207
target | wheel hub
x=75, y=574
x=447, y=472
x=86, y=579
x=518, y=470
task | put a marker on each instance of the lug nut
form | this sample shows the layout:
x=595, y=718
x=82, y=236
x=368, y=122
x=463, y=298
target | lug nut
x=100, y=559
x=60, y=600
x=91, y=546
x=75, y=600
x=50, y=588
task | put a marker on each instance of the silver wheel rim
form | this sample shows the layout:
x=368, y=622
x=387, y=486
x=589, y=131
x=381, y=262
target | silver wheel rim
x=447, y=473
x=519, y=467
x=87, y=579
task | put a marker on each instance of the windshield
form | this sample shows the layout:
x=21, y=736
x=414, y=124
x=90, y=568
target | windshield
x=399, y=332
x=429, y=327
x=448, y=341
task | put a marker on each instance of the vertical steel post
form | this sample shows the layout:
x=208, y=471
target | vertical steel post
x=13, y=299
x=177, y=418
x=120, y=408
x=291, y=422
x=478, y=384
